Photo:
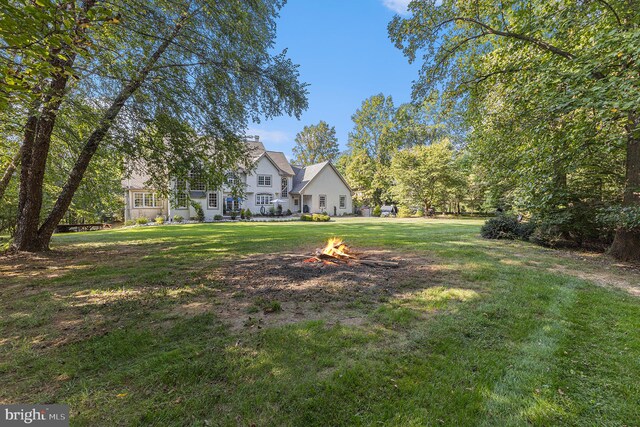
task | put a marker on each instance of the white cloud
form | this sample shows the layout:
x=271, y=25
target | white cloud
x=271, y=136
x=398, y=6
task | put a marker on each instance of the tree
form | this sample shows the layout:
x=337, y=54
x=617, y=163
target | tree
x=570, y=63
x=315, y=144
x=426, y=176
x=199, y=62
x=372, y=143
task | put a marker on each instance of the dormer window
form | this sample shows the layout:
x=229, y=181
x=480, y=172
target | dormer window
x=231, y=179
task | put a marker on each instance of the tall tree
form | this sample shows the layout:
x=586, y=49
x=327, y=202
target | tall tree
x=197, y=61
x=426, y=175
x=563, y=58
x=372, y=143
x=315, y=144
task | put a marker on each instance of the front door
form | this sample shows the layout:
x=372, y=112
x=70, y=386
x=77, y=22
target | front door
x=231, y=204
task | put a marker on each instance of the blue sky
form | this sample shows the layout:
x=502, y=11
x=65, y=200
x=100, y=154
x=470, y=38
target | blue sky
x=345, y=56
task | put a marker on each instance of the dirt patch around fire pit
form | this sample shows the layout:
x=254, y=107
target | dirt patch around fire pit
x=276, y=289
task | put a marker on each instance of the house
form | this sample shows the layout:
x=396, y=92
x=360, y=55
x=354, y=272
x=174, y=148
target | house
x=272, y=181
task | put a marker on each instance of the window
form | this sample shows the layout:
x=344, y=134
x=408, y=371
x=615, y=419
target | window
x=231, y=179
x=181, y=200
x=323, y=201
x=138, y=200
x=197, y=181
x=212, y=200
x=343, y=202
x=181, y=184
x=264, y=180
x=296, y=201
x=263, y=199
x=285, y=187
x=145, y=200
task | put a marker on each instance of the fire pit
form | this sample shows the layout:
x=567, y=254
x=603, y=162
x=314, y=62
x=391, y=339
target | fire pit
x=336, y=251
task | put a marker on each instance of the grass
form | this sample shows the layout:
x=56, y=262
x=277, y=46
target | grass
x=502, y=333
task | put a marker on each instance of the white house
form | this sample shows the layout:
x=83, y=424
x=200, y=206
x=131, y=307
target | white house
x=314, y=189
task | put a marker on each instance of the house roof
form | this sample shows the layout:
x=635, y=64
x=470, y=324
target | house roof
x=281, y=162
x=304, y=175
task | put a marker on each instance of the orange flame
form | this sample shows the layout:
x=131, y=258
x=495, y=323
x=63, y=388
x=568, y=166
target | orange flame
x=336, y=248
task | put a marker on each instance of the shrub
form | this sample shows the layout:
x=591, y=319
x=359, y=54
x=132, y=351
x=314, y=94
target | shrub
x=233, y=214
x=320, y=217
x=199, y=211
x=129, y=222
x=279, y=209
x=306, y=217
x=217, y=218
x=178, y=218
x=420, y=212
x=247, y=214
x=272, y=211
x=377, y=211
x=289, y=213
x=241, y=213
x=142, y=220
x=159, y=219
x=404, y=212
x=503, y=226
x=525, y=229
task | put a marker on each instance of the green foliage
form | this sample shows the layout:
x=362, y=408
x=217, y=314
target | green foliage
x=377, y=211
x=315, y=144
x=142, y=220
x=129, y=222
x=405, y=212
x=321, y=217
x=233, y=214
x=289, y=213
x=159, y=220
x=306, y=217
x=620, y=217
x=199, y=211
x=178, y=218
x=507, y=226
x=247, y=214
x=242, y=216
x=549, y=126
x=217, y=217
x=420, y=212
x=426, y=176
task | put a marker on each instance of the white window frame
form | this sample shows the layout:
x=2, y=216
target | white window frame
x=264, y=180
x=217, y=200
x=231, y=179
x=343, y=202
x=322, y=201
x=296, y=201
x=182, y=195
x=197, y=182
x=145, y=199
x=284, y=186
x=264, y=199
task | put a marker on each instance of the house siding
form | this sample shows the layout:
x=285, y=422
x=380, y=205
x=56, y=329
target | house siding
x=328, y=183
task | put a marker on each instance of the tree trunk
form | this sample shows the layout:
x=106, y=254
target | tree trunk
x=8, y=173
x=34, y=153
x=626, y=244
x=93, y=142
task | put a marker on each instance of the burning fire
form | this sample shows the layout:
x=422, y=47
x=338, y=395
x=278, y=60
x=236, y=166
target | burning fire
x=336, y=248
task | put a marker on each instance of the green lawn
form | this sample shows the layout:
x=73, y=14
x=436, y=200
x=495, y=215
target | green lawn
x=496, y=333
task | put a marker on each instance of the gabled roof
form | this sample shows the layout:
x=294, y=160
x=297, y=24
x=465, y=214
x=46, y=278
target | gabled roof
x=304, y=175
x=281, y=161
x=278, y=160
